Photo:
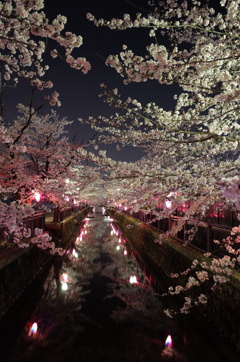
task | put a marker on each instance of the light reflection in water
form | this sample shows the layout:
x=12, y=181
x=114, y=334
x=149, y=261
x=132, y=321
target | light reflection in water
x=99, y=307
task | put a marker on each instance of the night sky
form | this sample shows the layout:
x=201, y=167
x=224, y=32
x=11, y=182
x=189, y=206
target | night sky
x=79, y=92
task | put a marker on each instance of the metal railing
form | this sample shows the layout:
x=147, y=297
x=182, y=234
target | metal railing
x=214, y=227
x=38, y=220
x=30, y=223
x=35, y=221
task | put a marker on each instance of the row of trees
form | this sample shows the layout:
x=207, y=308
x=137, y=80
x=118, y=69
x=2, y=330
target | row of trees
x=191, y=152
x=36, y=153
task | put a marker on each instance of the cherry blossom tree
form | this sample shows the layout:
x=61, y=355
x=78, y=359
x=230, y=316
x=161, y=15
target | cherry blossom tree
x=24, y=34
x=191, y=151
x=35, y=153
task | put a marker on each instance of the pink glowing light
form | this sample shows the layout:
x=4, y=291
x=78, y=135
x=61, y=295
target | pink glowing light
x=37, y=196
x=168, y=341
x=125, y=252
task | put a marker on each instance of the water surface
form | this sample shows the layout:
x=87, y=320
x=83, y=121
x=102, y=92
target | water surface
x=97, y=305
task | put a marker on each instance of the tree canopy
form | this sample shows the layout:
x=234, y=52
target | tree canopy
x=191, y=152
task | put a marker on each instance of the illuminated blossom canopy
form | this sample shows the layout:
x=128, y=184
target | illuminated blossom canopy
x=35, y=152
x=191, y=150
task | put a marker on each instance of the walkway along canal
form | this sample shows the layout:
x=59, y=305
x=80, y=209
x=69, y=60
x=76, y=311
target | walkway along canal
x=96, y=304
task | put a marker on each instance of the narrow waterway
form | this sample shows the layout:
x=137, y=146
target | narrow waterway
x=97, y=305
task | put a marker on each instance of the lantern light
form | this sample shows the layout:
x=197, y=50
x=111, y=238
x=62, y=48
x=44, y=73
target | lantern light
x=37, y=196
x=133, y=279
x=33, y=329
x=168, y=341
x=64, y=286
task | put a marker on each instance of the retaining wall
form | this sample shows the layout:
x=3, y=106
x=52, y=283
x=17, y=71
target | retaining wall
x=223, y=307
x=19, y=267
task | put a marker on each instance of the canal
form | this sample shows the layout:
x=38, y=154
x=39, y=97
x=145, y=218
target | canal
x=97, y=304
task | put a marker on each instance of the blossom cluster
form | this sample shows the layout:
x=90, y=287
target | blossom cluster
x=24, y=28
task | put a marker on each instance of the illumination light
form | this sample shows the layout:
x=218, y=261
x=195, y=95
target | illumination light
x=74, y=253
x=33, y=329
x=65, y=277
x=168, y=204
x=37, y=196
x=133, y=279
x=168, y=341
x=64, y=286
x=125, y=252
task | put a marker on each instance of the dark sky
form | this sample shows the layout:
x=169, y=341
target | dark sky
x=79, y=92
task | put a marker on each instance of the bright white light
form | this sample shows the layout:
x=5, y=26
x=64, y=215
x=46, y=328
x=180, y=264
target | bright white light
x=168, y=341
x=33, y=329
x=74, y=253
x=133, y=279
x=168, y=204
x=125, y=252
x=37, y=196
x=65, y=277
x=64, y=286
x=118, y=247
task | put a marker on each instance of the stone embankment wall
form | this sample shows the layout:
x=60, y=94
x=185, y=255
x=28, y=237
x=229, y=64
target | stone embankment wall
x=63, y=232
x=223, y=307
x=70, y=226
x=19, y=267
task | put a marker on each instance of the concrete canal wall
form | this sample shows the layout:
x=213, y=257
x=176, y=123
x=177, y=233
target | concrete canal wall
x=64, y=231
x=19, y=267
x=223, y=307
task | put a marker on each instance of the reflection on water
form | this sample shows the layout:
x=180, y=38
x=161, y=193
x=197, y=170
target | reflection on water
x=98, y=306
